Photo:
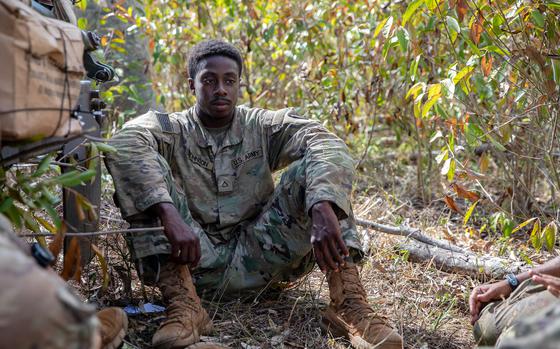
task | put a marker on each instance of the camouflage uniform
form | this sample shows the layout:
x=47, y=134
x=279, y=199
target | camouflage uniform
x=252, y=233
x=37, y=309
x=529, y=313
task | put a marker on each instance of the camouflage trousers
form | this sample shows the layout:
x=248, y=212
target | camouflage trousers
x=528, y=318
x=37, y=310
x=273, y=247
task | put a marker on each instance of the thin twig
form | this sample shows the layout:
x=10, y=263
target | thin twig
x=96, y=233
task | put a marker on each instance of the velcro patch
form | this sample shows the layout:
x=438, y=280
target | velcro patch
x=225, y=184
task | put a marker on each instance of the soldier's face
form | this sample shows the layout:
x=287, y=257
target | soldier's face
x=216, y=87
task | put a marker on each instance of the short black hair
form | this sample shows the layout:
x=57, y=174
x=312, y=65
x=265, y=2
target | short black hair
x=209, y=48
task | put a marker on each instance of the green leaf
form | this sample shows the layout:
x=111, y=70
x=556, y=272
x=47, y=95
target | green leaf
x=105, y=148
x=82, y=5
x=522, y=225
x=451, y=172
x=469, y=213
x=415, y=90
x=462, y=73
x=43, y=166
x=429, y=104
x=82, y=23
x=380, y=26
x=402, y=36
x=411, y=10
x=549, y=235
x=387, y=27
x=454, y=28
x=6, y=204
x=538, y=18
x=536, y=239
x=414, y=68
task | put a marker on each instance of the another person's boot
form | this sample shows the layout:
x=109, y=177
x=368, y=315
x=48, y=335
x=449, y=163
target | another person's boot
x=186, y=319
x=113, y=326
x=350, y=315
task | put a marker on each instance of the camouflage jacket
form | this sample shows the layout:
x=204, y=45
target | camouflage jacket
x=227, y=184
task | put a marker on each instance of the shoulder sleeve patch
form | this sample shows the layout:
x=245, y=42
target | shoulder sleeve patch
x=165, y=122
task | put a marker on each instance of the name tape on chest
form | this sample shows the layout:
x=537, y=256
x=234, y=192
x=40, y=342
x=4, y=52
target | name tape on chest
x=250, y=155
x=200, y=161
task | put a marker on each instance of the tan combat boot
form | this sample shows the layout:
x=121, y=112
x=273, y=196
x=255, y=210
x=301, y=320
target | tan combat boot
x=186, y=319
x=349, y=314
x=113, y=326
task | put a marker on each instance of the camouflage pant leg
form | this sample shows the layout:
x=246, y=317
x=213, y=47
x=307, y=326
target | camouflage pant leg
x=528, y=299
x=37, y=309
x=150, y=249
x=276, y=246
x=539, y=331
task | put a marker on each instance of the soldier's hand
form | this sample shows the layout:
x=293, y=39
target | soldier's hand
x=326, y=238
x=486, y=293
x=185, y=245
x=552, y=283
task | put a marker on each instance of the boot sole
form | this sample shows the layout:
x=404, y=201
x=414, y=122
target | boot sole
x=206, y=328
x=356, y=341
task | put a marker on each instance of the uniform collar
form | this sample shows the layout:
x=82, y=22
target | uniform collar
x=234, y=134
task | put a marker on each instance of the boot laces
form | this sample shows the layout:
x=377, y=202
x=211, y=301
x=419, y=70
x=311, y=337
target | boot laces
x=355, y=306
x=182, y=306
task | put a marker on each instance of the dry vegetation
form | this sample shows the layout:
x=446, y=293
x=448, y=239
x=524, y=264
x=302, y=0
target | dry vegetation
x=427, y=306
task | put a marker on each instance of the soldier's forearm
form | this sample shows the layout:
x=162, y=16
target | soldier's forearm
x=552, y=267
x=164, y=210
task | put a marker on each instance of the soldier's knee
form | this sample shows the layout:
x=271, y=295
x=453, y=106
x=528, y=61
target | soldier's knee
x=484, y=330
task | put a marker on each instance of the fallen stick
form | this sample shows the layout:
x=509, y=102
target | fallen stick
x=405, y=231
x=480, y=267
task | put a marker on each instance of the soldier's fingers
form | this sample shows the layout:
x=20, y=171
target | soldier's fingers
x=551, y=280
x=185, y=255
x=175, y=252
x=329, y=260
x=554, y=291
x=319, y=258
x=196, y=253
x=342, y=246
x=473, y=301
x=336, y=253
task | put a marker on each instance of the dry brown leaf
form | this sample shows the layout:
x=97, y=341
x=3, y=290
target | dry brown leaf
x=451, y=203
x=484, y=162
x=476, y=30
x=486, y=64
x=56, y=244
x=464, y=193
x=461, y=7
x=71, y=259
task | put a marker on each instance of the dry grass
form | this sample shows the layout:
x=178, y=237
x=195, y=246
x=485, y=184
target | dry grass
x=427, y=306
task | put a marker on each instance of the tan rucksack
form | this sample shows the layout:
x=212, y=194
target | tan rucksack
x=41, y=68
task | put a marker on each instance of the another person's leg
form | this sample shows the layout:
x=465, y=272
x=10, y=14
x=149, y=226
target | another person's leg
x=39, y=310
x=538, y=331
x=276, y=247
x=528, y=299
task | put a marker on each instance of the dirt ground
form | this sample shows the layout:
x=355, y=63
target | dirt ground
x=427, y=306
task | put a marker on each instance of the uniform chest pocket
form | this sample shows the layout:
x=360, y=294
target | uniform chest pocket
x=200, y=161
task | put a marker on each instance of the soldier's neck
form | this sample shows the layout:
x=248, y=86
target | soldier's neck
x=209, y=121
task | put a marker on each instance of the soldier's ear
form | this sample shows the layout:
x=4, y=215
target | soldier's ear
x=191, y=85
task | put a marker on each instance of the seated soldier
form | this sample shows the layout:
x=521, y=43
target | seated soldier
x=38, y=310
x=522, y=311
x=205, y=175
